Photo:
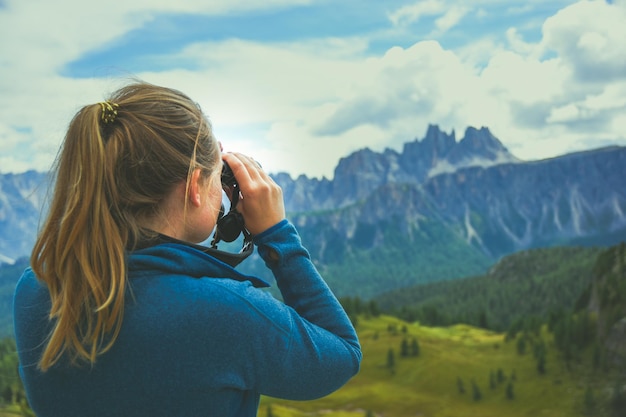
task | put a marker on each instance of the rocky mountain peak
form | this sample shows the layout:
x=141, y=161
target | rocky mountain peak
x=478, y=147
x=439, y=142
x=480, y=144
x=360, y=173
x=420, y=156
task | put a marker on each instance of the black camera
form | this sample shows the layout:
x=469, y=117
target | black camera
x=228, y=178
x=231, y=225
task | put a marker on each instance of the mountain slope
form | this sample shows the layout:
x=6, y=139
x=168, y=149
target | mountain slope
x=428, y=384
x=21, y=202
x=607, y=301
x=442, y=205
x=530, y=283
x=9, y=275
x=466, y=220
x=574, y=199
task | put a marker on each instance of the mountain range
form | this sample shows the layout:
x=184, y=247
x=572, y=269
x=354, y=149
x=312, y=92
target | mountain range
x=22, y=199
x=443, y=208
x=437, y=209
x=361, y=173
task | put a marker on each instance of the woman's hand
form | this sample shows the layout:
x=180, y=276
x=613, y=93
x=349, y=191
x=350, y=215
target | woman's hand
x=261, y=201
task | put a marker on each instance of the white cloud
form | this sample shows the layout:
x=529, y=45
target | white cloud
x=423, y=80
x=518, y=45
x=589, y=36
x=408, y=14
x=610, y=100
x=300, y=106
x=41, y=37
x=511, y=76
x=54, y=33
x=567, y=113
x=447, y=14
x=451, y=18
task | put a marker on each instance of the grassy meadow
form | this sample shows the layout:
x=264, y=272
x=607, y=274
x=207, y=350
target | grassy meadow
x=509, y=384
x=15, y=411
x=427, y=385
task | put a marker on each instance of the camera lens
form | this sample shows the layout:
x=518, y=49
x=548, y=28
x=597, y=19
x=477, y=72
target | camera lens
x=228, y=178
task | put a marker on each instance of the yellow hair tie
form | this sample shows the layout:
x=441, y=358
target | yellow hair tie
x=109, y=111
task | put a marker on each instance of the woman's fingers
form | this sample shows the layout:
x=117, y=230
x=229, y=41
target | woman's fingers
x=261, y=202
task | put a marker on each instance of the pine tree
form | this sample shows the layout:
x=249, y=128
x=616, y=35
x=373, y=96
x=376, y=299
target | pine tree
x=7, y=395
x=540, y=355
x=459, y=385
x=483, y=322
x=541, y=364
x=476, y=394
x=501, y=377
x=357, y=306
x=404, y=348
x=492, y=380
x=415, y=347
x=521, y=345
x=373, y=308
x=510, y=393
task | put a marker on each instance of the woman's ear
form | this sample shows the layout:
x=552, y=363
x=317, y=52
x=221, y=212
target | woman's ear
x=195, y=188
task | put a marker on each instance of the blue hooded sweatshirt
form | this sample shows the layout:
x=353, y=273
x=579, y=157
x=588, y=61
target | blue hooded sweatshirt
x=198, y=338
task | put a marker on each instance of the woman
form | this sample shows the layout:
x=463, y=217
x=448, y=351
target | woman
x=122, y=314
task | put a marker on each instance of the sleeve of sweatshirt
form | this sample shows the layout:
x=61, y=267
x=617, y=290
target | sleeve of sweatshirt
x=321, y=331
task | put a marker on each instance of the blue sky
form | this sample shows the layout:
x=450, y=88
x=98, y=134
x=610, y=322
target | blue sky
x=141, y=49
x=299, y=84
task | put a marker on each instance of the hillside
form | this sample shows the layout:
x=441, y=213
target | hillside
x=9, y=274
x=606, y=297
x=570, y=371
x=22, y=199
x=528, y=283
x=429, y=384
x=458, y=224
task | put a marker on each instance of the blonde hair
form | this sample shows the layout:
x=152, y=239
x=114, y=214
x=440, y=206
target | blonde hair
x=109, y=176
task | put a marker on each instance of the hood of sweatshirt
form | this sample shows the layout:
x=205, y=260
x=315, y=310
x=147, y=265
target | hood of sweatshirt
x=182, y=259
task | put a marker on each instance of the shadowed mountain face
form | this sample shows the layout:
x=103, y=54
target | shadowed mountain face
x=475, y=188
x=578, y=198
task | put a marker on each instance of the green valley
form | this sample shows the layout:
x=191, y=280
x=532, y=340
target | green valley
x=539, y=335
x=460, y=371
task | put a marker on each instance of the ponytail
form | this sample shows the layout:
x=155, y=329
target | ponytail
x=81, y=239
x=113, y=170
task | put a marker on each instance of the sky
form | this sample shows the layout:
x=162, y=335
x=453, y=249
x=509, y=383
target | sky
x=299, y=84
